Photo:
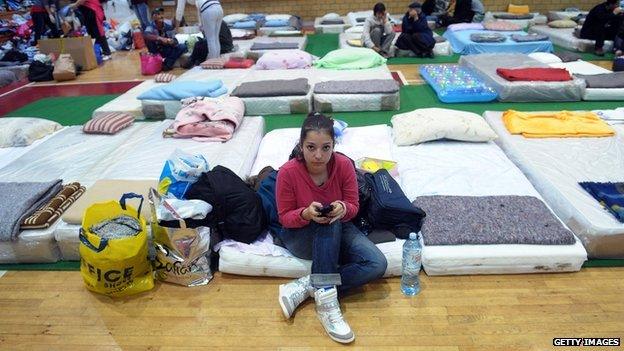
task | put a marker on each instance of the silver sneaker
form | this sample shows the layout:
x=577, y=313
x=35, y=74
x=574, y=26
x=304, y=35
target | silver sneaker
x=293, y=294
x=328, y=312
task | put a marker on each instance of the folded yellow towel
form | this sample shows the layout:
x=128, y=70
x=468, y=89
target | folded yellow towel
x=563, y=124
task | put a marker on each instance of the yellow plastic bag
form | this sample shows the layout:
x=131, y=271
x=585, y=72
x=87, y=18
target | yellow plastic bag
x=114, y=267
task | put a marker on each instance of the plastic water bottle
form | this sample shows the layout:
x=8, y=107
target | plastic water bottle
x=412, y=253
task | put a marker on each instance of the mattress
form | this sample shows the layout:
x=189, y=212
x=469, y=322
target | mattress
x=354, y=102
x=584, y=67
x=555, y=166
x=274, y=151
x=440, y=49
x=127, y=102
x=73, y=156
x=565, y=38
x=461, y=43
x=524, y=23
x=10, y=154
x=477, y=169
x=32, y=246
x=562, y=15
x=485, y=66
x=161, y=109
x=330, y=28
x=255, y=54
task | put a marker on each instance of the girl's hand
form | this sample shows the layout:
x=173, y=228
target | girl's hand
x=340, y=210
x=311, y=213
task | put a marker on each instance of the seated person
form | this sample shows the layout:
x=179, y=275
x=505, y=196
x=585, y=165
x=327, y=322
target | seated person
x=435, y=7
x=378, y=34
x=200, y=50
x=160, y=39
x=461, y=11
x=602, y=23
x=416, y=34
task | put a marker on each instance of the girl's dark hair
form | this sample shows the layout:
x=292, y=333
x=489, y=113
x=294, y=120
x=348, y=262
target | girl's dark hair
x=379, y=8
x=316, y=122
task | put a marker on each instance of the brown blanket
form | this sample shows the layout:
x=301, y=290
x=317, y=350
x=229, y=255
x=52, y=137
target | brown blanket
x=51, y=211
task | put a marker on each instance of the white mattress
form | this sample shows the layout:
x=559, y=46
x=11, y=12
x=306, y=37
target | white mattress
x=565, y=38
x=330, y=28
x=255, y=54
x=556, y=165
x=584, y=67
x=269, y=30
x=440, y=49
x=127, y=102
x=10, y=154
x=274, y=151
x=477, y=169
x=32, y=246
x=160, y=109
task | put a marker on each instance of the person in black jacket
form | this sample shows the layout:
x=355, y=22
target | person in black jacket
x=200, y=50
x=416, y=34
x=602, y=23
x=459, y=11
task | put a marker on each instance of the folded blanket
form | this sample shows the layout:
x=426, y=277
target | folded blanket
x=369, y=86
x=502, y=26
x=612, y=80
x=208, y=120
x=268, y=88
x=215, y=63
x=484, y=37
x=610, y=195
x=276, y=23
x=46, y=215
x=490, y=220
x=537, y=74
x=513, y=16
x=245, y=25
x=520, y=38
x=556, y=124
x=332, y=21
x=275, y=46
x=465, y=26
x=20, y=200
x=238, y=63
x=286, y=33
x=178, y=90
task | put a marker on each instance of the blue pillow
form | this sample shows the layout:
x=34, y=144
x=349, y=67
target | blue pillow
x=277, y=23
x=185, y=89
x=245, y=25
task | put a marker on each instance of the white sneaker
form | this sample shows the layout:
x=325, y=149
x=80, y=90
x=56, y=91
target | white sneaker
x=293, y=294
x=106, y=57
x=328, y=312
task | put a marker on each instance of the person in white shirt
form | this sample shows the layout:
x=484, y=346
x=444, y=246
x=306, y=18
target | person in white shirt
x=210, y=14
x=378, y=34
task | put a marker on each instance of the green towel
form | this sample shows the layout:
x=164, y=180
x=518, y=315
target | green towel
x=351, y=58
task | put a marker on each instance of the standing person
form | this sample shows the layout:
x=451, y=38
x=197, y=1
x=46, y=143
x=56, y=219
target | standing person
x=459, y=11
x=160, y=39
x=141, y=10
x=377, y=33
x=317, y=197
x=93, y=15
x=41, y=18
x=602, y=23
x=435, y=7
x=210, y=16
x=416, y=34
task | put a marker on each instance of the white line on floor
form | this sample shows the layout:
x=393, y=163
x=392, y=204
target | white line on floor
x=2, y=273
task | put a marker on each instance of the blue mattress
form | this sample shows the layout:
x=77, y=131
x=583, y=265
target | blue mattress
x=461, y=44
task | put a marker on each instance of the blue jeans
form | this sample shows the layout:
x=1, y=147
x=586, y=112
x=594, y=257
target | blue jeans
x=337, y=248
x=142, y=13
x=170, y=53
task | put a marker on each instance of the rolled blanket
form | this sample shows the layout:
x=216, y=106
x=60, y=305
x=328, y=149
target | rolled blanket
x=209, y=120
x=610, y=195
x=20, y=200
x=613, y=80
x=537, y=74
x=368, y=86
x=51, y=211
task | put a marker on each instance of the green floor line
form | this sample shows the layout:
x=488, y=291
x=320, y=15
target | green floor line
x=66, y=110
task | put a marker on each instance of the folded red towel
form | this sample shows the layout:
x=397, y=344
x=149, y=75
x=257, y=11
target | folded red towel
x=238, y=63
x=534, y=74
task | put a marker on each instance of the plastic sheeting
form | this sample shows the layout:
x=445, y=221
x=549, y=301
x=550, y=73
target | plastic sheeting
x=320, y=28
x=461, y=43
x=584, y=67
x=565, y=38
x=485, y=65
x=556, y=165
x=31, y=246
x=10, y=154
x=477, y=169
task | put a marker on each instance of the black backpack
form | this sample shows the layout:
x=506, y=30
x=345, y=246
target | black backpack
x=389, y=208
x=40, y=72
x=237, y=209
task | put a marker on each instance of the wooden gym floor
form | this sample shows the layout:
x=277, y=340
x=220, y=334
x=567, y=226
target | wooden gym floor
x=53, y=311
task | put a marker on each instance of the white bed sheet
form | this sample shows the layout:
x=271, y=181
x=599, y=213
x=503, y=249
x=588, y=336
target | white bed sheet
x=330, y=28
x=10, y=154
x=127, y=102
x=556, y=165
x=477, y=169
x=565, y=38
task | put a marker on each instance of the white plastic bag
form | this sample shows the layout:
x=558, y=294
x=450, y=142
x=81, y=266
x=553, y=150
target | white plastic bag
x=181, y=170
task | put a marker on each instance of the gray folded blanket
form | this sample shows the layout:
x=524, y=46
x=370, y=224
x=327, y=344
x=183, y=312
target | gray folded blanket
x=275, y=46
x=513, y=16
x=332, y=21
x=20, y=200
x=368, y=86
x=490, y=220
x=606, y=80
x=267, y=88
x=487, y=37
x=525, y=38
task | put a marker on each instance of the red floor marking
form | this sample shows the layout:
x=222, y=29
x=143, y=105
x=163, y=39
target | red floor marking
x=27, y=94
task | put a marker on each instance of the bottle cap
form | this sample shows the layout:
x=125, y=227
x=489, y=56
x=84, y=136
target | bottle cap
x=413, y=236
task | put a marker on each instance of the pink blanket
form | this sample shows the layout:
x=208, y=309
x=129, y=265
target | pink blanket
x=209, y=120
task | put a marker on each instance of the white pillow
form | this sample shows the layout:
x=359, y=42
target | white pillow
x=235, y=17
x=278, y=17
x=18, y=131
x=331, y=16
x=545, y=57
x=428, y=124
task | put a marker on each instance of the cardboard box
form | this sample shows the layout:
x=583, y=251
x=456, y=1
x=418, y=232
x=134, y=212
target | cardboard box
x=80, y=48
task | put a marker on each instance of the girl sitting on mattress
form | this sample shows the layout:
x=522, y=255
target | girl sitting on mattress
x=317, y=196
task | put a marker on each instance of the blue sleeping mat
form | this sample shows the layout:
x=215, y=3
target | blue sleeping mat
x=461, y=43
x=455, y=84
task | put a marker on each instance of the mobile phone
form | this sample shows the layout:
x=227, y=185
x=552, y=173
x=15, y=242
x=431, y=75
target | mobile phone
x=325, y=210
